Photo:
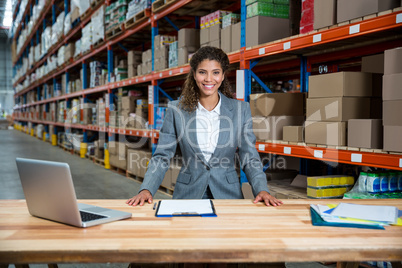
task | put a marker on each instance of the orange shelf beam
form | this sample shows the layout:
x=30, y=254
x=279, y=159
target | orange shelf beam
x=364, y=27
x=380, y=160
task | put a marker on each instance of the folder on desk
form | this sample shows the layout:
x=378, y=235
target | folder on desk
x=185, y=208
x=318, y=219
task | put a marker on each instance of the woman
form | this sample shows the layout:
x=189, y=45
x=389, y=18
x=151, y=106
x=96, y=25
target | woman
x=209, y=126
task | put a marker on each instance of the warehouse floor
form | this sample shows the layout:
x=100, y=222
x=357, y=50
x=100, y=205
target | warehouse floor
x=91, y=181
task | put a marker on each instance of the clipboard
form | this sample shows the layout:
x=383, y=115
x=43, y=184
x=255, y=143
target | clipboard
x=185, y=208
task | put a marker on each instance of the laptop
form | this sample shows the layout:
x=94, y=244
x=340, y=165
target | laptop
x=49, y=193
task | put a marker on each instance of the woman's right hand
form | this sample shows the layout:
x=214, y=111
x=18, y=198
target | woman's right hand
x=140, y=198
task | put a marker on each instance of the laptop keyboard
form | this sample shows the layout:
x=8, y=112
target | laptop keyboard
x=86, y=216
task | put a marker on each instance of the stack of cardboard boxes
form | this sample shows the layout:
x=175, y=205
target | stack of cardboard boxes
x=146, y=66
x=367, y=134
x=333, y=99
x=137, y=165
x=272, y=111
x=100, y=113
x=127, y=107
x=188, y=43
x=133, y=60
x=161, y=53
x=118, y=154
x=392, y=97
x=266, y=22
x=317, y=14
x=211, y=24
x=228, y=21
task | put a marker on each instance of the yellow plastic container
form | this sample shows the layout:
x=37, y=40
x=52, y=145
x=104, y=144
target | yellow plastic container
x=331, y=180
x=327, y=192
x=83, y=149
x=107, y=162
x=54, y=139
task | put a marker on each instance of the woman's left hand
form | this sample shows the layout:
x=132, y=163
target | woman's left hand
x=268, y=199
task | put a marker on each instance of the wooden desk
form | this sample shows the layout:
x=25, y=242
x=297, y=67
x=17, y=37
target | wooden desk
x=242, y=232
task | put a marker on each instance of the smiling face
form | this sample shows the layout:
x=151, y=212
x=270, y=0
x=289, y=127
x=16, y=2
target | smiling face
x=208, y=77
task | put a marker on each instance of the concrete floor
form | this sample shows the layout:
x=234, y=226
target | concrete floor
x=91, y=181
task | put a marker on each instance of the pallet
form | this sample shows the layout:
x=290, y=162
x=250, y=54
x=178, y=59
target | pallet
x=115, y=31
x=99, y=161
x=160, y=5
x=162, y=189
x=97, y=44
x=95, y=3
x=138, y=18
x=118, y=170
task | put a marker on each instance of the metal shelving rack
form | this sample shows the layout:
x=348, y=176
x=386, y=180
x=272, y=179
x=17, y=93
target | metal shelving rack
x=365, y=36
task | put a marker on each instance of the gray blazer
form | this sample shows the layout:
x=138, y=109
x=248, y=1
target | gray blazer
x=236, y=132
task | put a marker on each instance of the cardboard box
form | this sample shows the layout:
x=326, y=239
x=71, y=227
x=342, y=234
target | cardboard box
x=293, y=133
x=134, y=57
x=260, y=30
x=392, y=138
x=204, y=36
x=112, y=147
x=268, y=104
x=216, y=43
x=341, y=84
x=182, y=56
x=69, y=51
x=188, y=37
x=128, y=103
x=324, y=13
x=327, y=133
x=118, y=161
x=365, y=133
x=337, y=109
x=271, y=127
x=137, y=162
x=215, y=33
x=392, y=87
x=348, y=10
x=226, y=39
x=236, y=33
x=392, y=111
x=392, y=61
x=373, y=64
x=132, y=70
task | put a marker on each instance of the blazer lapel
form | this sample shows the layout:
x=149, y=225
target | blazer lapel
x=226, y=123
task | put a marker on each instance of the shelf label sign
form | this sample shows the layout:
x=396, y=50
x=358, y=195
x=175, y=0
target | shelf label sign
x=286, y=45
x=399, y=18
x=287, y=150
x=400, y=162
x=261, y=147
x=317, y=38
x=356, y=158
x=318, y=154
x=261, y=51
x=354, y=29
x=151, y=94
x=240, y=84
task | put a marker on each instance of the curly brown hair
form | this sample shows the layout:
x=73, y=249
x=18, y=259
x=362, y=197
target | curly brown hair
x=191, y=93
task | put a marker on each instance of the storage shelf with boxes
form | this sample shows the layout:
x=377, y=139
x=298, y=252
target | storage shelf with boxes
x=144, y=59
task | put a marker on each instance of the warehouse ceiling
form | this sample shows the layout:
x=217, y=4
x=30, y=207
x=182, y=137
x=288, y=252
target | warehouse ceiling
x=4, y=30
